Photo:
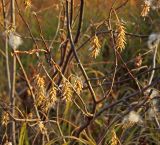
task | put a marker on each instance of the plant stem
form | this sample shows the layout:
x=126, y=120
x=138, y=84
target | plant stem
x=12, y=101
x=6, y=46
x=13, y=81
x=154, y=65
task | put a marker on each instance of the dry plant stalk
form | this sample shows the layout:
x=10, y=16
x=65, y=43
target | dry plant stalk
x=30, y=52
x=121, y=37
x=95, y=47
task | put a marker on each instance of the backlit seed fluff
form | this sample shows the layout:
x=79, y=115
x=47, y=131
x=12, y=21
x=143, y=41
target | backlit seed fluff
x=131, y=119
x=134, y=117
x=153, y=40
x=14, y=40
x=154, y=4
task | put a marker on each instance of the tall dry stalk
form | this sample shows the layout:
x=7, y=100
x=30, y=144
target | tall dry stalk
x=6, y=45
x=13, y=81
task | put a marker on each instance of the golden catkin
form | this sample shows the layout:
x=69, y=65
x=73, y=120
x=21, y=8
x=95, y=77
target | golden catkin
x=52, y=95
x=78, y=85
x=114, y=139
x=27, y=3
x=66, y=90
x=51, y=99
x=5, y=118
x=42, y=128
x=121, y=37
x=39, y=90
x=95, y=47
x=131, y=119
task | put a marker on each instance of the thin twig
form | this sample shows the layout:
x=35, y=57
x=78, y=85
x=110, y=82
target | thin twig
x=154, y=64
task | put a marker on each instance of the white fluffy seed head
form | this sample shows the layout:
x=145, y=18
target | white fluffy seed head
x=154, y=4
x=153, y=40
x=133, y=117
x=14, y=40
x=148, y=2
